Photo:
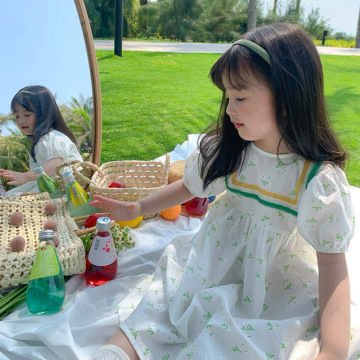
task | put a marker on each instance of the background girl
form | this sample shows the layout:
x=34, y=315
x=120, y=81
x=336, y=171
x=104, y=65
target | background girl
x=266, y=275
x=52, y=143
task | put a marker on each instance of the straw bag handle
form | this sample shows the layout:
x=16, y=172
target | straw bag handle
x=68, y=163
x=85, y=164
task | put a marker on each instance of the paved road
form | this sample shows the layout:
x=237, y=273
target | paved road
x=199, y=47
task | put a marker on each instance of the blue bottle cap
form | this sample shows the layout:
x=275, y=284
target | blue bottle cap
x=103, y=223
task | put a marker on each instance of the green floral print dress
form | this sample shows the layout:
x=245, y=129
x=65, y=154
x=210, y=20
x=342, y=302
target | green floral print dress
x=246, y=285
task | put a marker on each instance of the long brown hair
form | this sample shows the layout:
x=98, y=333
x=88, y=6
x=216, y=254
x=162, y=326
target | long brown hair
x=296, y=78
x=39, y=100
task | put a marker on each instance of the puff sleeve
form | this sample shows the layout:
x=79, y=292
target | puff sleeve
x=325, y=215
x=193, y=181
x=56, y=145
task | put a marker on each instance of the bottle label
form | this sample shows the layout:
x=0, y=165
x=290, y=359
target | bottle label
x=78, y=195
x=102, y=252
x=45, y=264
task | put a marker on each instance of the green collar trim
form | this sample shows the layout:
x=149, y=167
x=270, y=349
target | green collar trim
x=261, y=201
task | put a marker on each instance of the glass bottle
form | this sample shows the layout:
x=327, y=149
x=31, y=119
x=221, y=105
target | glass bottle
x=46, y=286
x=46, y=184
x=196, y=207
x=101, y=262
x=78, y=199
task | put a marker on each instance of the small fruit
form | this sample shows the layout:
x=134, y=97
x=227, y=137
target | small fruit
x=131, y=223
x=117, y=184
x=171, y=213
x=50, y=208
x=50, y=225
x=17, y=243
x=16, y=218
x=91, y=221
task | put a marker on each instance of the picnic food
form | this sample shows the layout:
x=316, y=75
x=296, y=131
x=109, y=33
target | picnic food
x=116, y=184
x=16, y=218
x=50, y=225
x=171, y=213
x=50, y=208
x=131, y=223
x=17, y=243
x=91, y=221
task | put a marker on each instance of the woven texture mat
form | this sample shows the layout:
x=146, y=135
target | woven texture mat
x=15, y=266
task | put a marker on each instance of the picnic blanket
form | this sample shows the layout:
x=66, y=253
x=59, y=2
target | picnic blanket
x=90, y=315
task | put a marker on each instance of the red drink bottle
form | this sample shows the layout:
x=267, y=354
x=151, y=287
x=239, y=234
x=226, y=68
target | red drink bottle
x=101, y=262
x=196, y=207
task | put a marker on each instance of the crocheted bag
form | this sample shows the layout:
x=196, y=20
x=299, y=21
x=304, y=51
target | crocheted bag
x=15, y=266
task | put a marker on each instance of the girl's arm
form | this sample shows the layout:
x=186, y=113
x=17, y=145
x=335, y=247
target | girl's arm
x=19, y=178
x=334, y=294
x=170, y=195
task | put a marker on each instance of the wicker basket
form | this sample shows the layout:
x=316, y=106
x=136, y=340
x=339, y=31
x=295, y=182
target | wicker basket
x=141, y=179
x=15, y=266
x=176, y=171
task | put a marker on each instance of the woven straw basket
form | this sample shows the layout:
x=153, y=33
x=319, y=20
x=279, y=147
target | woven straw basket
x=15, y=266
x=141, y=179
x=176, y=171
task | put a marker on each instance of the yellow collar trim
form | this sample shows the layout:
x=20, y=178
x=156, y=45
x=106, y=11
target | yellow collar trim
x=292, y=201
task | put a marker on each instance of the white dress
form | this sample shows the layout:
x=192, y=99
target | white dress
x=53, y=145
x=246, y=285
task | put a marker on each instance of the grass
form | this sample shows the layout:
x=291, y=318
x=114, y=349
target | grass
x=151, y=101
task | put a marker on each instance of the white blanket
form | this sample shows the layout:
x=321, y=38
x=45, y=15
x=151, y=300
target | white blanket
x=90, y=317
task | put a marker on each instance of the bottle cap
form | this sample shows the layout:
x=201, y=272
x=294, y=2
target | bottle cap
x=103, y=223
x=46, y=235
x=38, y=170
x=68, y=176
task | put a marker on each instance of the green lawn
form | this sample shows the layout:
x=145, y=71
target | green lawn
x=152, y=101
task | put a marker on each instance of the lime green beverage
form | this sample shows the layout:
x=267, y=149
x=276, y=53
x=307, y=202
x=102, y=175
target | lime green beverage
x=45, y=292
x=46, y=184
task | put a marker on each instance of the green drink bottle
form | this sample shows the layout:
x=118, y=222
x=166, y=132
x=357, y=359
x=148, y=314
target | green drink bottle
x=46, y=184
x=45, y=292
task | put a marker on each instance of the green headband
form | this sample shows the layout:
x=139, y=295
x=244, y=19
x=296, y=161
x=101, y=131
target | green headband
x=254, y=47
x=24, y=92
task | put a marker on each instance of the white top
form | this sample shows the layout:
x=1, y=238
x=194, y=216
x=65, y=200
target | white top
x=53, y=145
x=246, y=285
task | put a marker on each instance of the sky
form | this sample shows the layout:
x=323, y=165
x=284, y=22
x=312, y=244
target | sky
x=42, y=44
x=342, y=15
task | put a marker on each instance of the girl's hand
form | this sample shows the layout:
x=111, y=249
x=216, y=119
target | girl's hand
x=16, y=178
x=117, y=210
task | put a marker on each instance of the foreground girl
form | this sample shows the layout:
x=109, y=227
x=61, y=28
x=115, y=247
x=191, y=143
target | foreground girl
x=266, y=275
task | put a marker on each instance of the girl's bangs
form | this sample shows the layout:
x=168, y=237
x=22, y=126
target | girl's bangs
x=234, y=68
x=21, y=99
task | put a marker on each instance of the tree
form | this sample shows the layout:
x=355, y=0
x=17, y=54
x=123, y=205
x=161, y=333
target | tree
x=315, y=25
x=101, y=14
x=221, y=20
x=252, y=13
x=357, y=38
x=275, y=6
